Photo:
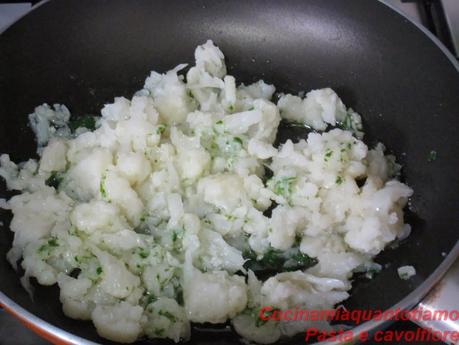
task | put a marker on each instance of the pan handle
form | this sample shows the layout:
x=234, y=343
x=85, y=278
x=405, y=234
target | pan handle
x=444, y=297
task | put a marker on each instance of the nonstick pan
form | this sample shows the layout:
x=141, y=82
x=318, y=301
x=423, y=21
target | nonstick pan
x=84, y=52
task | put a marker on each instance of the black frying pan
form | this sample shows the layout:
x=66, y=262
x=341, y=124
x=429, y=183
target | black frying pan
x=83, y=53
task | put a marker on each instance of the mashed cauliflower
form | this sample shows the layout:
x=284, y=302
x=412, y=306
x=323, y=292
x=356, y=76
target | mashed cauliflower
x=162, y=214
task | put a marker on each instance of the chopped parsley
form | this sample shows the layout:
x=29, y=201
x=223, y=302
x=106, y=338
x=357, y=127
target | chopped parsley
x=266, y=313
x=55, y=179
x=238, y=140
x=404, y=276
x=85, y=121
x=159, y=331
x=432, y=156
x=148, y=299
x=161, y=129
x=282, y=186
x=255, y=314
x=177, y=235
x=143, y=253
x=168, y=315
x=278, y=261
x=327, y=155
x=99, y=270
x=339, y=180
x=102, y=190
x=48, y=246
x=52, y=242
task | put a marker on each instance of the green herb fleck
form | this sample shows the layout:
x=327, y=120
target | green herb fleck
x=159, y=331
x=161, y=129
x=99, y=270
x=177, y=234
x=266, y=313
x=219, y=122
x=432, y=156
x=278, y=261
x=143, y=253
x=52, y=242
x=404, y=276
x=282, y=186
x=48, y=246
x=85, y=121
x=238, y=140
x=168, y=315
x=102, y=190
x=327, y=155
x=298, y=261
x=339, y=179
x=254, y=313
x=55, y=179
x=150, y=299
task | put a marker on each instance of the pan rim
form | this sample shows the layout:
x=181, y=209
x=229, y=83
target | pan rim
x=407, y=302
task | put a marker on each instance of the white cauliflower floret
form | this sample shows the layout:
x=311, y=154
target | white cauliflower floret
x=47, y=122
x=210, y=58
x=285, y=222
x=73, y=291
x=35, y=266
x=41, y=211
x=214, y=296
x=167, y=319
x=159, y=279
x=334, y=258
x=53, y=157
x=169, y=95
x=117, y=190
x=240, y=123
x=97, y=216
x=138, y=133
x=266, y=128
x=83, y=179
x=121, y=322
x=225, y=191
x=229, y=93
x=291, y=289
x=118, y=110
x=317, y=109
x=143, y=107
x=23, y=178
x=216, y=254
x=133, y=166
x=121, y=240
x=261, y=149
x=192, y=159
x=266, y=333
x=192, y=163
x=117, y=280
x=256, y=191
x=382, y=218
x=254, y=91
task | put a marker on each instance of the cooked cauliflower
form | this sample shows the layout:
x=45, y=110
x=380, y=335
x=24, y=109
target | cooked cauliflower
x=169, y=207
